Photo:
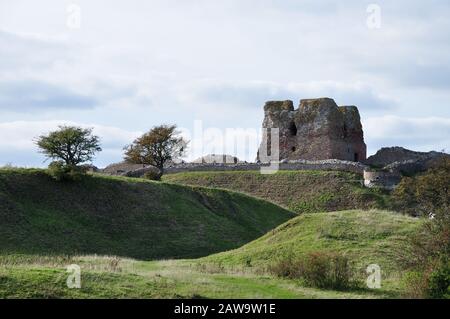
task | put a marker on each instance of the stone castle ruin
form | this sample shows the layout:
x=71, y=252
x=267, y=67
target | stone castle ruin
x=317, y=130
x=318, y=135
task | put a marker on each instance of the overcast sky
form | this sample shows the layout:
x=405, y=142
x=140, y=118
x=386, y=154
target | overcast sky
x=126, y=66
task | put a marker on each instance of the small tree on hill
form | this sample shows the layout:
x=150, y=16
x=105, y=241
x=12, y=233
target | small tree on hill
x=156, y=147
x=69, y=146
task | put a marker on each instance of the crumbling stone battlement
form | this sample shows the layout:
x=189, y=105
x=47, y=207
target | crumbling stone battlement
x=317, y=130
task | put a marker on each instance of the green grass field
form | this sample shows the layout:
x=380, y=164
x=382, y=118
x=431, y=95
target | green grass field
x=112, y=277
x=124, y=234
x=298, y=191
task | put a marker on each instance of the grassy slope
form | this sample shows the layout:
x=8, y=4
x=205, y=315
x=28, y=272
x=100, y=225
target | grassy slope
x=367, y=237
x=125, y=217
x=299, y=191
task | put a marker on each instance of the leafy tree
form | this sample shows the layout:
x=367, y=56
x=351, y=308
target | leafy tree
x=425, y=194
x=156, y=147
x=428, y=195
x=69, y=144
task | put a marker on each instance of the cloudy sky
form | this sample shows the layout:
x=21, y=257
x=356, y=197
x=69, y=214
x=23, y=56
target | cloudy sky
x=123, y=66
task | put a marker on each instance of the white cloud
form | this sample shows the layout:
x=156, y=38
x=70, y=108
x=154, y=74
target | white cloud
x=253, y=94
x=422, y=134
x=167, y=61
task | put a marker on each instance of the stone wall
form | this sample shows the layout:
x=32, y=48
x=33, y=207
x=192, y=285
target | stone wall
x=121, y=168
x=217, y=158
x=381, y=179
x=332, y=165
x=386, y=177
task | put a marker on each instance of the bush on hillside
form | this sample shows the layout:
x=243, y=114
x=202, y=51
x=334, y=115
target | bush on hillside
x=62, y=172
x=287, y=268
x=318, y=269
x=433, y=282
x=439, y=281
x=429, y=260
x=415, y=284
x=425, y=194
x=428, y=195
x=152, y=175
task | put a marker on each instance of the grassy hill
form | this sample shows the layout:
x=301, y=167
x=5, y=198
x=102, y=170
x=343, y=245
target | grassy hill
x=366, y=237
x=112, y=226
x=298, y=191
x=125, y=217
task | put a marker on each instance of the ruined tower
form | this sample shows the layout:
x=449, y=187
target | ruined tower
x=317, y=130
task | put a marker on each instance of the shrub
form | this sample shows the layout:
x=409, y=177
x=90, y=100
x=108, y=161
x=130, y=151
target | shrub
x=439, y=282
x=287, y=268
x=433, y=282
x=426, y=193
x=428, y=245
x=152, y=175
x=415, y=284
x=327, y=271
x=318, y=269
x=429, y=261
x=62, y=172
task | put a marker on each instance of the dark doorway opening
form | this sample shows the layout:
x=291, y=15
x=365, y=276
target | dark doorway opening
x=293, y=149
x=292, y=129
x=356, y=158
